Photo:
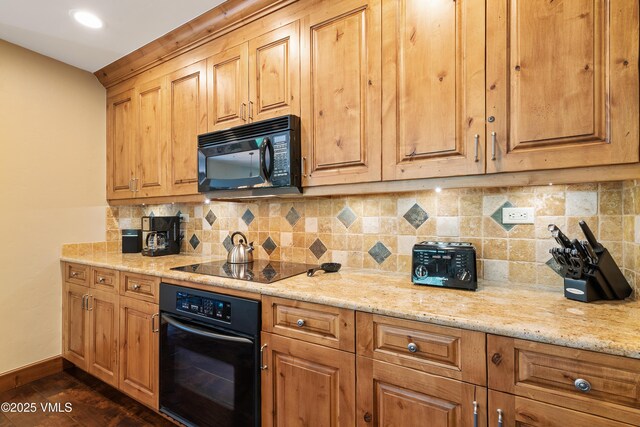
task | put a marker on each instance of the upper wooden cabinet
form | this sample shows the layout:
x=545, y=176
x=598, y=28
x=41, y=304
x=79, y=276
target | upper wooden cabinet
x=433, y=88
x=187, y=118
x=121, y=137
x=341, y=89
x=562, y=83
x=256, y=80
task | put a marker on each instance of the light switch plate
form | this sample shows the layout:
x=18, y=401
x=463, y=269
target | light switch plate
x=518, y=216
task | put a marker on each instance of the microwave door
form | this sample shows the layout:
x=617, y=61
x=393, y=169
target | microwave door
x=231, y=165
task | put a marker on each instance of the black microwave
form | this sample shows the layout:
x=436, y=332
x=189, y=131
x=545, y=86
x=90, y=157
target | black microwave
x=256, y=159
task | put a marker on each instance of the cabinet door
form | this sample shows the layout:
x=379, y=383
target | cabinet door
x=306, y=384
x=433, y=88
x=516, y=411
x=151, y=146
x=341, y=90
x=187, y=119
x=121, y=139
x=562, y=83
x=139, y=350
x=75, y=324
x=274, y=73
x=103, y=335
x=392, y=395
x=227, y=88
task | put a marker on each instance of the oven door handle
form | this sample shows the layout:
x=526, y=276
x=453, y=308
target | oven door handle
x=173, y=322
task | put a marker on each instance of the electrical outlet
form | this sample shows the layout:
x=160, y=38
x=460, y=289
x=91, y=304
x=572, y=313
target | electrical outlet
x=184, y=217
x=517, y=216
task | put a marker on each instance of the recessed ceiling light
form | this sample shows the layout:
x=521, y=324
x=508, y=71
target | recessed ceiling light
x=87, y=19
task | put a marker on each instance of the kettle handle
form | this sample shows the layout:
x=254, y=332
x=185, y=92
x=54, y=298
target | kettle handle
x=241, y=235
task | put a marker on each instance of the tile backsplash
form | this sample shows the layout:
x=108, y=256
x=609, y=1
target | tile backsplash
x=378, y=231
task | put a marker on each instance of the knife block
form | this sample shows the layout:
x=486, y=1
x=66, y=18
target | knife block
x=581, y=290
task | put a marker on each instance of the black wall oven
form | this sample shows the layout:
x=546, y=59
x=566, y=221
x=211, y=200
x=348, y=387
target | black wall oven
x=261, y=158
x=209, y=358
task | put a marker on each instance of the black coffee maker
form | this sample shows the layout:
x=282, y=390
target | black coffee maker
x=161, y=235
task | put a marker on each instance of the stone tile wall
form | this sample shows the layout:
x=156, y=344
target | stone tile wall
x=378, y=231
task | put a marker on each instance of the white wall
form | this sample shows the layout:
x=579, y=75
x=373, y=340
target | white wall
x=52, y=191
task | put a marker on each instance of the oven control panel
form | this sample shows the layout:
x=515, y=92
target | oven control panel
x=206, y=307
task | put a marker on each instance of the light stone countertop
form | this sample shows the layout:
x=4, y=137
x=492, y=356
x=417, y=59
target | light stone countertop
x=533, y=312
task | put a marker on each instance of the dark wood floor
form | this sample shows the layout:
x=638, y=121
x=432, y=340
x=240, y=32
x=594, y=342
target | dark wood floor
x=93, y=403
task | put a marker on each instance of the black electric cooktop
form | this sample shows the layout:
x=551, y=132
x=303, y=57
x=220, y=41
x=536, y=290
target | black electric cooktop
x=260, y=271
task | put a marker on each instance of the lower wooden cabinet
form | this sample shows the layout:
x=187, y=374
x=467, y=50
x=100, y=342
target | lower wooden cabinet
x=139, y=351
x=75, y=324
x=393, y=395
x=306, y=384
x=507, y=410
x=102, y=309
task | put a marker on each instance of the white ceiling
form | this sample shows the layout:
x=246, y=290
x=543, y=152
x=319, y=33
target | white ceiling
x=46, y=27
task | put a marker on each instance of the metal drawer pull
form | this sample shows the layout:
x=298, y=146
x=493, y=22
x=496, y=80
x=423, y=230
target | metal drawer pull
x=493, y=145
x=243, y=115
x=476, y=139
x=85, y=301
x=475, y=413
x=300, y=323
x=412, y=347
x=499, y=417
x=135, y=287
x=582, y=385
x=153, y=323
x=74, y=274
x=251, y=110
x=100, y=279
x=89, y=306
x=263, y=367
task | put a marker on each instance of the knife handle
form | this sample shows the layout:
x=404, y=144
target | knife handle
x=590, y=251
x=597, y=247
x=559, y=236
x=580, y=249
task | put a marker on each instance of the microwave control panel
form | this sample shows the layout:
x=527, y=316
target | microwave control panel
x=202, y=306
x=281, y=172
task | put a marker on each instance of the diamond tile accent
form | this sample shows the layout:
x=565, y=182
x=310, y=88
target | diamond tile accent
x=497, y=216
x=292, y=216
x=269, y=245
x=379, y=252
x=210, y=217
x=194, y=241
x=318, y=248
x=248, y=217
x=347, y=217
x=416, y=216
x=227, y=243
x=552, y=264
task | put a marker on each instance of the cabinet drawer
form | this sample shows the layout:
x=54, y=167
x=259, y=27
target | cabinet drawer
x=76, y=273
x=315, y=323
x=104, y=279
x=553, y=374
x=450, y=352
x=139, y=286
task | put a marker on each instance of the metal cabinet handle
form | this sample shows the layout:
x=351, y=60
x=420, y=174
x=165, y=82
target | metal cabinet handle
x=500, y=421
x=153, y=323
x=84, y=301
x=300, y=323
x=136, y=188
x=476, y=143
x=135, y=287
x=304, y=167
x=100, y=279
x=582, y=385
x=412, y=347
x=89, y=306
x=74, y=274
x=131, y=184
x=250, y=110
x=493, y=145
x=263, y=367
x=475, y=414
x=243, y=112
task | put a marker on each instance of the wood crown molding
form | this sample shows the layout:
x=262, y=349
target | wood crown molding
x=35, y=371
x=227, y=17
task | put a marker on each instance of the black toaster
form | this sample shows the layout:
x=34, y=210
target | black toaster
x=445, y=264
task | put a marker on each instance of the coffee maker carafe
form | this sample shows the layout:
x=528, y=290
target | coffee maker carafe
x=161, y=235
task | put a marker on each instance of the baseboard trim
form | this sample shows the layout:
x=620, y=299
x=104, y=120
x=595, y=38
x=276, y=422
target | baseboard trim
x=32, y=372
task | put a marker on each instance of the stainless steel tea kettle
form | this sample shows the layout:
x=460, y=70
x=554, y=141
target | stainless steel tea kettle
x=240, y=253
